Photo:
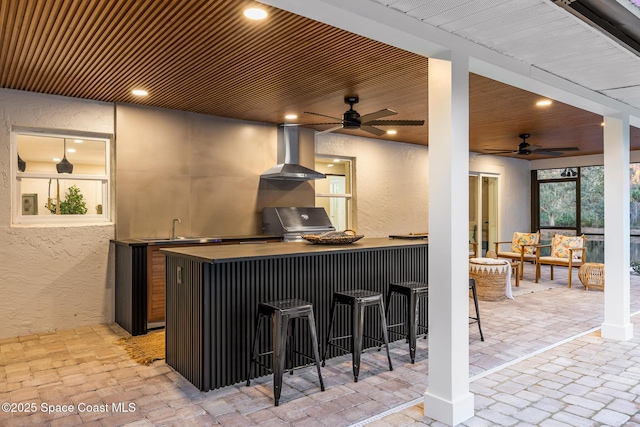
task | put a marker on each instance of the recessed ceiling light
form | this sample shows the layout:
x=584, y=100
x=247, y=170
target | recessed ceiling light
x=78, y=141
x=56, y=159
x=330, y=165
x=290, y=116
x=140, y=92
x=336, y=160
x=602, y=124
x=392, y=132
x=255, y=13
x=543, y=103
x=71, y=150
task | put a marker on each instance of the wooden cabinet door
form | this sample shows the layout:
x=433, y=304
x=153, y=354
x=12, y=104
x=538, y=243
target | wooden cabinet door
x=156, y=270
x=156, y=275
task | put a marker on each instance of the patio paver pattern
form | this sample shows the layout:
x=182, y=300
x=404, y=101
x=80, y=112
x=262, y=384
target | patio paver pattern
x=519, y=376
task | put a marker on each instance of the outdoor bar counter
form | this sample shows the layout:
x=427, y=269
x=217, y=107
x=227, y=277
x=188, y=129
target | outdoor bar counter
x=213, y=292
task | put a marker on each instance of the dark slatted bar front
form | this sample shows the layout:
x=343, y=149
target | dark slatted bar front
x=213, y=294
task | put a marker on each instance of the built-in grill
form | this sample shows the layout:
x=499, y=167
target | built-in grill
x=291, y=223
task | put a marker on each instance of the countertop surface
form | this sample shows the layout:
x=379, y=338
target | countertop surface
x=164, y=241
x=227, y=253
x=424, y=236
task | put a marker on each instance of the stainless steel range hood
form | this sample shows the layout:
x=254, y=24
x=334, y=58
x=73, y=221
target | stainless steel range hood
x=288, y=168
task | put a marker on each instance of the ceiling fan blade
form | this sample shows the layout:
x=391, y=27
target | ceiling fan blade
x=531, y=148
x=502, y=150
x=564, y=148
x=372, y=130
x=395, y=123
x=548, y=153
x=374, y=116
x=330, y=130
x=323, y=124
x=323, y=115
x=499, y=152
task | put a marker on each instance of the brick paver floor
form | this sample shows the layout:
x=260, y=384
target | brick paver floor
x=520, y=376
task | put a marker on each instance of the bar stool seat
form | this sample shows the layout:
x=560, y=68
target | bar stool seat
x=413, y=291
x=472, y=288
x=282, y=312
x=358, y=300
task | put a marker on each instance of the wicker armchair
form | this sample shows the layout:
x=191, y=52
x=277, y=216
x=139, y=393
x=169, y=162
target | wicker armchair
x=566, y=251
x=522, y=248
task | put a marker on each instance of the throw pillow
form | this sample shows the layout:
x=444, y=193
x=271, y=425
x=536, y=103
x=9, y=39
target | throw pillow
x=560, y=246
x=524, y=239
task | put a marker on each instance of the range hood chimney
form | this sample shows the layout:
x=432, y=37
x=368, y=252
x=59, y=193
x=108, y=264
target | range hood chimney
x=288, y=168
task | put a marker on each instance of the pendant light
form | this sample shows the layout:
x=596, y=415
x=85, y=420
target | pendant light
x=64, y=166
x=22, y=165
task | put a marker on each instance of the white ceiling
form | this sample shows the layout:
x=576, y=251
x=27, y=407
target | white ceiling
x=539, y=33
x=532, y=44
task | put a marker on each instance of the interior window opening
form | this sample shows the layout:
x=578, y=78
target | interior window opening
x=334, y=193
x=60, y=178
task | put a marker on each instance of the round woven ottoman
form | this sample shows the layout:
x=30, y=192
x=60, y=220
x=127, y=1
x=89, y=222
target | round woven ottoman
x=491, y=278
x=591, y=275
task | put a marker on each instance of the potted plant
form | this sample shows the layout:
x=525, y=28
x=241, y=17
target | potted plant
x=73, y=204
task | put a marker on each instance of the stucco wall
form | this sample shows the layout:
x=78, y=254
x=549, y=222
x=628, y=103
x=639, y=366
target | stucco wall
x=204, y=170
x=392, y=188
x=62, y=277
x=390, y=181
x=514, y=212
x=51, y=277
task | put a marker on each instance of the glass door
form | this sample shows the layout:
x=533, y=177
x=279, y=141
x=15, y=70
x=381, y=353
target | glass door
x=483, y=211
x=474, y=236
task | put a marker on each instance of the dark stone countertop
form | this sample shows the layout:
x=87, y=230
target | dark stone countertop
x=195, y=240
x=230, y=253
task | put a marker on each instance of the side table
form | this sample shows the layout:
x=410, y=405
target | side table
x=591, y=275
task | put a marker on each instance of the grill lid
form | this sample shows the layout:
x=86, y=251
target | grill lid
x=286, y=220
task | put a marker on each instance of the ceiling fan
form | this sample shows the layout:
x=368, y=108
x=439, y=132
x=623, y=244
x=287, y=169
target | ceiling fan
x=351, y=119
x=524, y=149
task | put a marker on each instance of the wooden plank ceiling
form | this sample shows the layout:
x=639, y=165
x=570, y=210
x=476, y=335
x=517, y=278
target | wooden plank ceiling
x=204, y=56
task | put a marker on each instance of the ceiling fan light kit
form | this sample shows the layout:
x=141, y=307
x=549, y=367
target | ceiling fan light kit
x=352, y=120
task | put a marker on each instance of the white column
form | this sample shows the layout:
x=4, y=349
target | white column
x=448, y=399
x=617, y=324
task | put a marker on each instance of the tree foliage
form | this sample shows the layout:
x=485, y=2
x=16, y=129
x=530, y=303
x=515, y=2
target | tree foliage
x=557, y=204
x=592, y=196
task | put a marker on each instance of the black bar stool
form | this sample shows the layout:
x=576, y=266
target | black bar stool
x=282, y=312
x=413, y=291
x=472, y=288
x=358, y=300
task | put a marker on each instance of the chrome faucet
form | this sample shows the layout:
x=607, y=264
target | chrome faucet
x=173, y=227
